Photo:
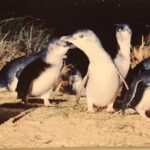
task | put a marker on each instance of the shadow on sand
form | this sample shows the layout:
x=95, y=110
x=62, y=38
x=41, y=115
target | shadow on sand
x=10, y=110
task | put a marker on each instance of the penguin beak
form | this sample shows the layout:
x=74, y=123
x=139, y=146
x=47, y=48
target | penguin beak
x=122, y=27
x=67, y=40
x=70, y=45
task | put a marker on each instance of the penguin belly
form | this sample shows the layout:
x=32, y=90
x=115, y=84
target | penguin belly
x=103, y=84
x=123, y=65
x=45, y=81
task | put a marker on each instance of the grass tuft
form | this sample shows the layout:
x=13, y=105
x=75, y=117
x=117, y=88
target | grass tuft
x=22, y=35
x=140, y=52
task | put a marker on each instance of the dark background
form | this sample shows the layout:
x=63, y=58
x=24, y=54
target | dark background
x=99, y=15
x=69, y=15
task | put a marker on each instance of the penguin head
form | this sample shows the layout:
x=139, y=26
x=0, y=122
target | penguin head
x=56, y=51
x=59, y=48
x=83, y=39
x=123, y=32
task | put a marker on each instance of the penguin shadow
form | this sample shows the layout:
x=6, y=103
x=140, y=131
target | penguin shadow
x=39, y=102
x=12, y=110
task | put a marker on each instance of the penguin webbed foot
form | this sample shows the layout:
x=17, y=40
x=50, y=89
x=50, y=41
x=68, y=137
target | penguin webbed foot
x=77, y=99
x=48, y=104
x=91, y=110
x=110, y=108
x=30, y=104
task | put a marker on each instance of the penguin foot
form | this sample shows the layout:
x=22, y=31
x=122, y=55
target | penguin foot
x=77, y=99
x=91, y=110
x=110, y=108
x=143, y=114
x=90, y=106
x=48, y=104
x=31, y=105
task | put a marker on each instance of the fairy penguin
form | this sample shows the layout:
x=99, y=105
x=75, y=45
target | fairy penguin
x=122, y=59
x=137, y=97
x=39, y=77
x=103, y=79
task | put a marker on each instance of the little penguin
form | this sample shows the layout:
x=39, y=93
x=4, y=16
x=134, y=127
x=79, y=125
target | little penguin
x=137, y=97
x=122, y=59
x=40, y=76
x=103, y=75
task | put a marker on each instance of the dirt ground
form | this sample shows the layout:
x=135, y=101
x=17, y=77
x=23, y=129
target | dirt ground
x=67, y=125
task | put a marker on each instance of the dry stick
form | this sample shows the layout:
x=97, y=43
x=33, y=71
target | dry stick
x=121, y=77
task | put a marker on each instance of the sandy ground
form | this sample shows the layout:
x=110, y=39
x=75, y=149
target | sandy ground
x=67, y=125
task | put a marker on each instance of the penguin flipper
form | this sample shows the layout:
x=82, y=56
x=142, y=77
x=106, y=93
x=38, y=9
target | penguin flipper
x=79, y=93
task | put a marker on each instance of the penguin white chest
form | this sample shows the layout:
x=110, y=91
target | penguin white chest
x=45, y=81
x=123, y=65
x=12, y=86
x=103, y=83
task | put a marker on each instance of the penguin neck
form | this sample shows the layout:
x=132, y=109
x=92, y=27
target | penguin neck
x=53, y=59
x=97, y=54
x=124, y=48
x=122, y=59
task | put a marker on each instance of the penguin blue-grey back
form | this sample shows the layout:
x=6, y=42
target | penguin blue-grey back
x=12, y=70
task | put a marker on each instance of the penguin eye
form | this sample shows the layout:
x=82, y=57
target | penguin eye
x=57, y=44
x=81, y=35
